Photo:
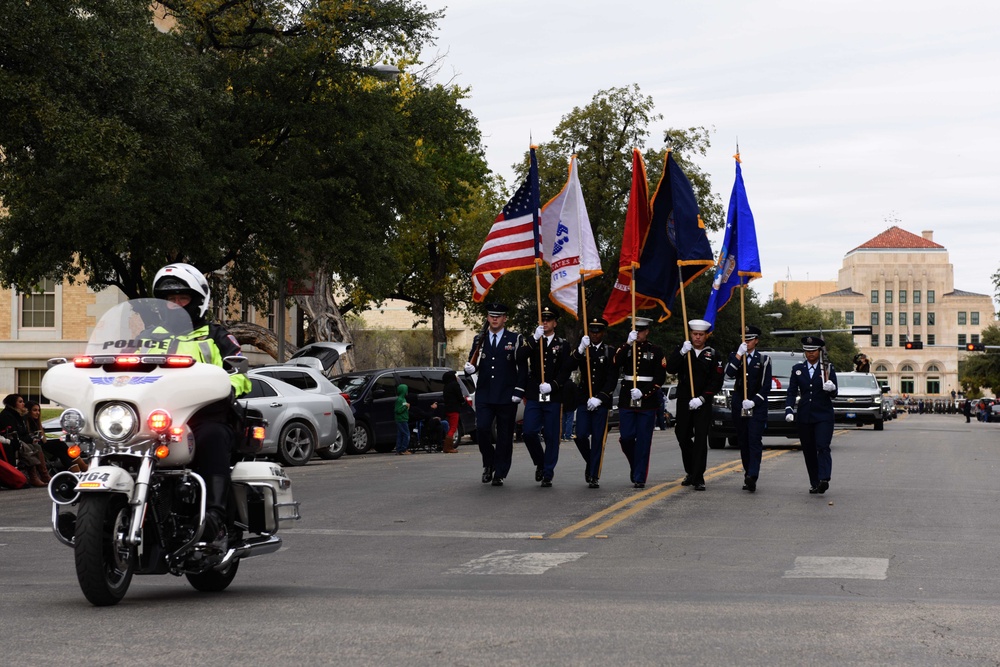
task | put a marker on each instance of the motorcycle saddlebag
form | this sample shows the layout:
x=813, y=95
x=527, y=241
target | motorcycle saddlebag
x=263, y=495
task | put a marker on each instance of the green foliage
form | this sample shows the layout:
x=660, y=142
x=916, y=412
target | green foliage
x=840, y=347
x=982, y=369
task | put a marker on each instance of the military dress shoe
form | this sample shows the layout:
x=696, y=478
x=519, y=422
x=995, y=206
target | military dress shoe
x=498, y=481
x=814, y=489
x=749, y=484
x=699, y=486
x=593, y=483
x=639, y=485
x=824, y=484
x=587, y=478
x=686, y=481
x=487, y=474
x=538, y=473
x=546, y=482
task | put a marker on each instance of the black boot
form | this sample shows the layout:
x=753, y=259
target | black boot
x=216, y=501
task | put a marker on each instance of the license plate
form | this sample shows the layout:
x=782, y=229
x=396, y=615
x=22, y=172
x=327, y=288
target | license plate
x=852, y=415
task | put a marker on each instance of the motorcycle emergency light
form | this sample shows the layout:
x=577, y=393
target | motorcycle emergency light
x=128, y=360
x=162, y=452
x=180, y=361
x=72, y=421
x=74, y=451
x=175, y=433
x=83, y=362
x=159, y=421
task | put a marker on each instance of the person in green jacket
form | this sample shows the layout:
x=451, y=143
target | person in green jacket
x=402, y=421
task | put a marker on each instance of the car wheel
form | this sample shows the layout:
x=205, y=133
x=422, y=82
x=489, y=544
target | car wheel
x=296, y=444
x=336, y=450
x=716, y=443
x=879, y=425
x=362, y=440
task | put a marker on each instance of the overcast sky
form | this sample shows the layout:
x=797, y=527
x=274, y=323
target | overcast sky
x=848, y=113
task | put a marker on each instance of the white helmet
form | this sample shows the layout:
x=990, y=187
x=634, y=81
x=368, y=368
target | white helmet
x=183, y=278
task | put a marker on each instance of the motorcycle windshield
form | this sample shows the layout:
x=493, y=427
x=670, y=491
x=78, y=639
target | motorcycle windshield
x=139, y=326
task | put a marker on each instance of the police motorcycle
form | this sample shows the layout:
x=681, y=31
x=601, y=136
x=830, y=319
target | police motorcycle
x=140, y=509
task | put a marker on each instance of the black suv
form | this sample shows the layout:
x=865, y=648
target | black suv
x=373, y=399
x=722, y=427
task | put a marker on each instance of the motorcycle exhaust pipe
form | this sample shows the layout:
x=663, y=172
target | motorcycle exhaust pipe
x=62, y=488
x=254, y=546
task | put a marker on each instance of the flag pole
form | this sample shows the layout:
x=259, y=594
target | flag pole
x=635, y=365
x=687, y=332
x=743, y=335
x=586, y=332
x=538, y=304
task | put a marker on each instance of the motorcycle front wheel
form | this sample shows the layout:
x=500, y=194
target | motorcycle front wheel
x=104, y=562
x=213, y=581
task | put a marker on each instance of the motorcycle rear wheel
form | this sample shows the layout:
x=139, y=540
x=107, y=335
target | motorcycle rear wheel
x=213, y=581
x=104, y=563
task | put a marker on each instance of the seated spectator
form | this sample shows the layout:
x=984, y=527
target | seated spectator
x=19, y=445
x=52, y=448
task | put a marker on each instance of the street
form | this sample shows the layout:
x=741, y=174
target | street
x=410, y=560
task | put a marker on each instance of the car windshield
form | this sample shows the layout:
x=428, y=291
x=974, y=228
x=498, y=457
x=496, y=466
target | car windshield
x=352, y=385
x=781, y=367
x=858, y=381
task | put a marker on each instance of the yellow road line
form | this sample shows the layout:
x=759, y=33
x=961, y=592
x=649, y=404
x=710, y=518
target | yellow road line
x=640, y=501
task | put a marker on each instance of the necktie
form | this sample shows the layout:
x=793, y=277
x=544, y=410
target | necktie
x=493, y=341
x=811, y=369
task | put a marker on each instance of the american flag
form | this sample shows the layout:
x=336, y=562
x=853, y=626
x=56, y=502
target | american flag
x=513, y=242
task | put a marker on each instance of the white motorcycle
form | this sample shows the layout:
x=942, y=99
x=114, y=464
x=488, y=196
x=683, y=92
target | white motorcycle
x=140, y=509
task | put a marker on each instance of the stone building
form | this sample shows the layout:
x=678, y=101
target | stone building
x=902, y=284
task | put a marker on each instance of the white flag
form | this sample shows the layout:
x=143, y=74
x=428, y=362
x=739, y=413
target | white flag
x=569, y=248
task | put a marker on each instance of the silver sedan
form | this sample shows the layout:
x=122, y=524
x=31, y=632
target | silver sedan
x=299, y=422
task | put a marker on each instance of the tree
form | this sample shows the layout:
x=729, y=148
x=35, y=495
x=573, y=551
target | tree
x=254, y=136
x=982, y=369
x=840, y=347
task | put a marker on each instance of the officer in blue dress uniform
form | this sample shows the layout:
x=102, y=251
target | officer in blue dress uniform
x=499, y=389
x=637, y=405
x=543, y=395
x=750, y=413
x=694, y=410
x=814, y=383
x=597, y=382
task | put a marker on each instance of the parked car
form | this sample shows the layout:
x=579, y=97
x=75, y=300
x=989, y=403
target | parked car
x=298, y=422
x=671, y=408
x=722, y=428
x=858, y=400
x=373, y=395
x=888, y=409
x=311, y=380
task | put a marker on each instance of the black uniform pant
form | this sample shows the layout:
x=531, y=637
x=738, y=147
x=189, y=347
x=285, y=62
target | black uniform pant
x=692, y=436
x=750, y=435
x=815, y=439
x=498, y=457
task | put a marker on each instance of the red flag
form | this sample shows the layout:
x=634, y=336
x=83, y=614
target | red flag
x=619, y=305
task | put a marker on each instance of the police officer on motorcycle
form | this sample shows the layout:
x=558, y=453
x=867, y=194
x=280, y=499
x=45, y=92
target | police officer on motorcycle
x=212, y=426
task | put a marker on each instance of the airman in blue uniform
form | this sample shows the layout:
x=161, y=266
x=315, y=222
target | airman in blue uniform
x=597, y=382
x=814, y=384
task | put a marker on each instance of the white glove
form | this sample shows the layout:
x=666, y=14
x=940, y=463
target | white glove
x=742, y=350
x=632, y=337
x=789, y=418
x=584, y=344
x=696, y=402
x=829, y=386
x=544, y=388
x=593, y=403
x=469, y=368
x=748, y=404
x=635, y=394
x=539, y=332
x=686, y=347
x=4, y=441
x=515, y=399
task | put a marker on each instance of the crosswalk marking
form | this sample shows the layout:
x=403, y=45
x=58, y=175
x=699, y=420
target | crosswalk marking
x=507, y=561
x=838, y=567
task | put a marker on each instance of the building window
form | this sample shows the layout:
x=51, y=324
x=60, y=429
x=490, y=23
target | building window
x=849, y=316
x=916, y=319
x=902, y=296
x=874, y=296
x=29, y=383
x=874, y=340
x=933, y=368
x=930, y=339
x=906, y=368
x=916, y=296
x=961, y=318
x=881, y=368
x=888, y=318
x=888, y=340
x=906, y=385
x=874, y=318
x=916, y=338
x=38, y=307
x=974, y=338
x=961, y=339
x=888, y=296
x=902, y=319
x=902, y=340
x=930, y=319
x=974, y=318
x=934, y=385
x=930, y=296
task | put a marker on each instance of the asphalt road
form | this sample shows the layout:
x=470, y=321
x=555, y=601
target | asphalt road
x=412, y=561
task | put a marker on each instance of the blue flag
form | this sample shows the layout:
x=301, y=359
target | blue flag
x=739, y=261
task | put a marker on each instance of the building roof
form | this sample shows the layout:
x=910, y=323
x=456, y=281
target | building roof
x=962, y=292
x=847, y=291
x=896, y=237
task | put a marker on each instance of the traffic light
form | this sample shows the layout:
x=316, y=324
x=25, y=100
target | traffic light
x=914, y=345
x=976, y=347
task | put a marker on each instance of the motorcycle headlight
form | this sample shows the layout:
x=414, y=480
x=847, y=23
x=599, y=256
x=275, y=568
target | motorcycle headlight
x=72, y=421
x=116, y=422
